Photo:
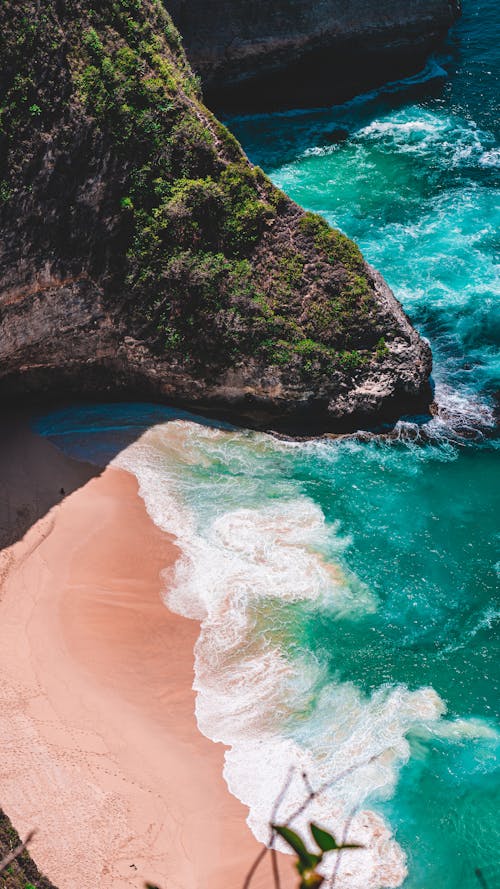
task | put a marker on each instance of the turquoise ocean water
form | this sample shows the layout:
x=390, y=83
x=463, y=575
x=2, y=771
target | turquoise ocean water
x=348, y=591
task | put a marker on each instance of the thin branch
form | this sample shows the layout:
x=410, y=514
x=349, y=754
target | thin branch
x=347, y=826
x=326, y=786
x=311, y=796
x=276, y=873
x=4, y=863
x=281, y=797
x=262, y=854
x=305, y=778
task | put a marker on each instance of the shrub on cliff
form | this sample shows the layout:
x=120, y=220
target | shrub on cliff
x=194, y=207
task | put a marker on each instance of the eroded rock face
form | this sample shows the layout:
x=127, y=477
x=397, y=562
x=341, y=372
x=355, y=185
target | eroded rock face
x=141, y=255
x=292, y=51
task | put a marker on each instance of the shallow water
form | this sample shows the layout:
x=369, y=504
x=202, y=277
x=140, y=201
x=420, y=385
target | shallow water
x=348, y=591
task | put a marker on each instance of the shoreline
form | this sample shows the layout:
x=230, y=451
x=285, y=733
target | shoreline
x=100, y=747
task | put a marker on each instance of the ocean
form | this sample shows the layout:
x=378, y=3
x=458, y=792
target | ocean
x=348, y=590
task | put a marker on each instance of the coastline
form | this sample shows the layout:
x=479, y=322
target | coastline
x=100, y=747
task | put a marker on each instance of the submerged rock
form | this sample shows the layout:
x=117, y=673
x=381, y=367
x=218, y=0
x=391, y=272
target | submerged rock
x=142, y=255
x=336, y=136
x=289, y=52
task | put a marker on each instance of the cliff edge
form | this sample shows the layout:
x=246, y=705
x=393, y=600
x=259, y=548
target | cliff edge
x=142, y=255
x=291, y=52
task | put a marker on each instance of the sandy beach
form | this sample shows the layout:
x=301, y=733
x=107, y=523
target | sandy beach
x=99, y=744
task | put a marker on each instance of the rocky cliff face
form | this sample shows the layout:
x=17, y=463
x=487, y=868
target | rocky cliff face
x=142, y=255
x=22, y=872
x=290, y=51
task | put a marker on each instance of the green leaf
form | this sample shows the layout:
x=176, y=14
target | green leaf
x=312, y=880
x=325, y=840
x=306, y=858
x=352, y=846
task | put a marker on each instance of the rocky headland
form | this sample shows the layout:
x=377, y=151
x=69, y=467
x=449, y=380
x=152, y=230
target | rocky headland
x=142, y=255
x=291, y=52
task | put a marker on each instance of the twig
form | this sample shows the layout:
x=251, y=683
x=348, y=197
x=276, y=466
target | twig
x=281, y=797
x=4, y=863
x=312, y=794
x=347, y=826
x=276, y=873
x=326, y=786
x=262, y=854
x=305, y=778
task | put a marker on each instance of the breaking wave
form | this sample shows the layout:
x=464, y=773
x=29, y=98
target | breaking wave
x=271, y=701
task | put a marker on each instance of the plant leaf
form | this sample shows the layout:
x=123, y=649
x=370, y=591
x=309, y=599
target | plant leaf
x=352, y=846
x=312, y=880
x=325, y=840
x=306, y=858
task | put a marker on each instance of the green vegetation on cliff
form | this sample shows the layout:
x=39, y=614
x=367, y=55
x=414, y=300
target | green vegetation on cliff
x=21, y=873
x=211, y=262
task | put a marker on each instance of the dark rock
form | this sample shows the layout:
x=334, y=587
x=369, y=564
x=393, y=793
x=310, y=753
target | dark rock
x=335, y=136
x=292, y=52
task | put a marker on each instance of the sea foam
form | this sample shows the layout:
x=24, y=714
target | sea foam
x=273, y=704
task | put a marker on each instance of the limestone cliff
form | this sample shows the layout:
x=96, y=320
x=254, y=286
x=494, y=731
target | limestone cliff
x=293, y=51
x=142, y=255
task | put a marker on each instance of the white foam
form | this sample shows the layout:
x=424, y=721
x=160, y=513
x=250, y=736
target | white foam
x=274, y=708
x=461, y=409
x=490, y=158
x=450, y=140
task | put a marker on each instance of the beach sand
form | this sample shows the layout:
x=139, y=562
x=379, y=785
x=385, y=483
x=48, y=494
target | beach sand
x=100, y=749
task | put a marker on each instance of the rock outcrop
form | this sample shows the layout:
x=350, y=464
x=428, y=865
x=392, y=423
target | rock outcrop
x=294, y=51
x=141, y=255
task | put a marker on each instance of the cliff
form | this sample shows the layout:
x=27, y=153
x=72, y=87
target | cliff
x=141, y=255
x=294, y=51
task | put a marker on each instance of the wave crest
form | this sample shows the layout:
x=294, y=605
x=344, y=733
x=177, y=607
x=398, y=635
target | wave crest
x=258, y=692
